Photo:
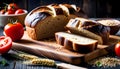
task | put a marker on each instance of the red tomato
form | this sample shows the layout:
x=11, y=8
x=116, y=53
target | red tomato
x=15, y=31
x=12, y=7
x=5, y=44
x=117, y=49
x=19, y=11
x=9, y=12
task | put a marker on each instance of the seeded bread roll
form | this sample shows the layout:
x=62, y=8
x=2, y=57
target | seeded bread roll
x=75, y=42
x=42, y=22
x=112, y=23
x=89, y=28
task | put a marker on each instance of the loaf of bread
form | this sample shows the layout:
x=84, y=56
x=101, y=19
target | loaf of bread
x=112, y=23
x=89, y=28
x=76, y=42
x=43, y=21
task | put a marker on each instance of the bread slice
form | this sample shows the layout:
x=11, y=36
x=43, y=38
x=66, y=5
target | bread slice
x=43, y=22
x=76, y=42
x=89, y=28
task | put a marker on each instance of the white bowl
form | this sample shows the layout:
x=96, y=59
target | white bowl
x=5, y=19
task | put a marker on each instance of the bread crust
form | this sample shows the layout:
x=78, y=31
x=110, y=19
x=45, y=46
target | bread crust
x=89, y=28
x=47, y=20
x=75, y=42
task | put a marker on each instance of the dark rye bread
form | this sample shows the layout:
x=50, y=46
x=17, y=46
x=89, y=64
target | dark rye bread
x=76, y=42
x=43, y=21
x=114, y=24
x=89, y=28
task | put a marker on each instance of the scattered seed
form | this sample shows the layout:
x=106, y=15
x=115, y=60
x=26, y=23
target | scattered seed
x=105, y=62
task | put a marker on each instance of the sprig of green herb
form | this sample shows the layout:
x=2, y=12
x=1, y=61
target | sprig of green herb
x=3, y=62
x=98, y=64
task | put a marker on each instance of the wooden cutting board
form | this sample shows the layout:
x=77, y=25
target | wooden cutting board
x=49, y=49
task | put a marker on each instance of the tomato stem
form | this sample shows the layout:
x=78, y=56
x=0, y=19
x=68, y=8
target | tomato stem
x=13, y=21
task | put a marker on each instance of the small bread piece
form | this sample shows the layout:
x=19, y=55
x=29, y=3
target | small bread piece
x=89, y=28
x=112, y=23
x=75, y=42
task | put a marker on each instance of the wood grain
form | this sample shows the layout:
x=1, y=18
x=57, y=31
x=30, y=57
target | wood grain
x=49, y=49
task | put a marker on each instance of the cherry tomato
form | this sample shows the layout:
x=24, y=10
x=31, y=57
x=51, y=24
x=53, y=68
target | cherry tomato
x=15, y=31
x=19, y=11
x=12, y=7
x=5, y=44
x=9, y=12
x=117, y=49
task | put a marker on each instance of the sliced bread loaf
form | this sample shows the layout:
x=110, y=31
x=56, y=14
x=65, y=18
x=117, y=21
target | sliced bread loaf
x=76, y=42
x=89, y=28
x=44, y=21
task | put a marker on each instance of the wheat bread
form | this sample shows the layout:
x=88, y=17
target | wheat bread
x=42, y=22
x=75, y=42
x=89, y=28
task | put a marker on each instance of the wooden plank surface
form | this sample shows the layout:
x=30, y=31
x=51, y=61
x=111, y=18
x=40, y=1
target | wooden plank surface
x=50, y=49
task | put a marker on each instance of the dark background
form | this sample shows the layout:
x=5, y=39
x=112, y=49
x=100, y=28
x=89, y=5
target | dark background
x=93, y=8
